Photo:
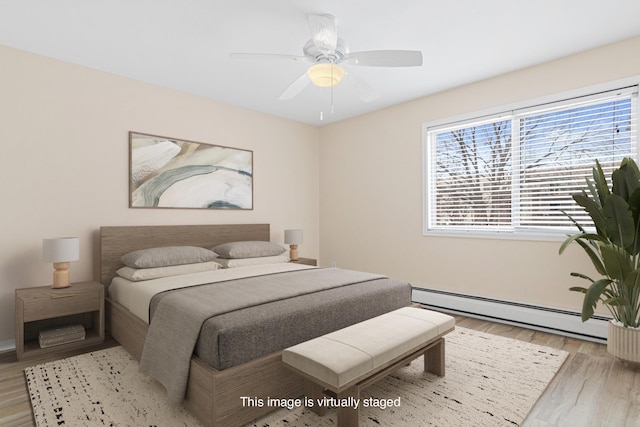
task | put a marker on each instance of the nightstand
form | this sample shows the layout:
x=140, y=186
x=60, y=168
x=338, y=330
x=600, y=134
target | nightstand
x=43, y=307
x=306, y=261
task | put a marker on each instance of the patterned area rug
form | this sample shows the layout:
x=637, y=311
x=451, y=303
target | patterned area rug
x=490, y=381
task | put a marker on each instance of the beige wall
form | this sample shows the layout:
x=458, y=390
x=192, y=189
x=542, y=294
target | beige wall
x=64, y=156
x=371, y=190
x=63, y=139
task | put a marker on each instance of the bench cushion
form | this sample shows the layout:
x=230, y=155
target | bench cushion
x=342, y=356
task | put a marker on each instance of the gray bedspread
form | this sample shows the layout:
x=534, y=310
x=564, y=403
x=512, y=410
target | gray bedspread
x=179, y=316
x=244, y=335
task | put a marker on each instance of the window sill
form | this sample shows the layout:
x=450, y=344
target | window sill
x=501, y=235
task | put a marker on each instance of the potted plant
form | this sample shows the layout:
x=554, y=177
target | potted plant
x=614, y=250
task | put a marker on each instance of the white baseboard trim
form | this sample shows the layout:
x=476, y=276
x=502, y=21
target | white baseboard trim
x=7, y=345
x=553, y=320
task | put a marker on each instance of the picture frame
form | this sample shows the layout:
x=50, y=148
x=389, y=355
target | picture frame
x=169, y=172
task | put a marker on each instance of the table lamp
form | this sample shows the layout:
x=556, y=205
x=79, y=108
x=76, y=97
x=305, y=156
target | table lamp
x=293, y=238
x=61, y=251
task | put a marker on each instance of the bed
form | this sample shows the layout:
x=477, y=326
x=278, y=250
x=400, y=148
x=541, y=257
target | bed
x=213, y=394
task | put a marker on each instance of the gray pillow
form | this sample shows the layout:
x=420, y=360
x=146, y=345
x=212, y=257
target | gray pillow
x=166, y=256
x=248, y=249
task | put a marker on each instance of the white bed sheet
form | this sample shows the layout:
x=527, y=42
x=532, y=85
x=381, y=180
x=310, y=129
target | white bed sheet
x=136, y=296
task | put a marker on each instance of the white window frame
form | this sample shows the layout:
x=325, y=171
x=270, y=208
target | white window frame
x=492, y=115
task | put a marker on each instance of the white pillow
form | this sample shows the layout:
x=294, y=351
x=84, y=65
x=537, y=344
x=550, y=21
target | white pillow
x=139, y=274
x=242, y=262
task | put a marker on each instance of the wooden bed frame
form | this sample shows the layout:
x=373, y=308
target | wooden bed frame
x=213, y=396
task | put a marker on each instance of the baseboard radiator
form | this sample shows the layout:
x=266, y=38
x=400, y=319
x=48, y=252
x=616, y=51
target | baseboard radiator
x=552, y=320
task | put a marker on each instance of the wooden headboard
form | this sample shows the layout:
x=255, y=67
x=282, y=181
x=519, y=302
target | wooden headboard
x=117, y=241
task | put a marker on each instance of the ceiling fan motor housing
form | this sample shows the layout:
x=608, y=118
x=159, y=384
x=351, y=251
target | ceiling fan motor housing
x=334, y=57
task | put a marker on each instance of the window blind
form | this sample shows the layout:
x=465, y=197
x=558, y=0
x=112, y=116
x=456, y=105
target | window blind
x=516, y=171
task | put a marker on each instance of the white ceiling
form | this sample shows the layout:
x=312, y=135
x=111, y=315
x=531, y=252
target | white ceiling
x=184, y=44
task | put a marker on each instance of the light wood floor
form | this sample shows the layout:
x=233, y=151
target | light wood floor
x=591, y=389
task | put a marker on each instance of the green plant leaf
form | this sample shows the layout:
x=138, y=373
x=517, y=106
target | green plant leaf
x=616, y=261
x=629, y=163
x=578, y=289
x=593, y=192
x=619, y=183
x=633, y=279
x=593, y=256
x=619, y=221
x=594, y=210
x=616, y=302
x=631, y=178
x=600, y=183
x=582, y=276
x=582, y=240
x=578, y=226
x=634, y=205
x=592, y=296
x=585, y=236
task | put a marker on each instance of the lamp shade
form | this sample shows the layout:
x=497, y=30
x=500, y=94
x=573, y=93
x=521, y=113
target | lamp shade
x=325, y=74
x=61, y=249
x=293, y=237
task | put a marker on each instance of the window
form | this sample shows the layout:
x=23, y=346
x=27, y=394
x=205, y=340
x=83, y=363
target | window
x=514, y=172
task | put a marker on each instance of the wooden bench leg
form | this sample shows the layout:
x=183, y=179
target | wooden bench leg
x=434, y=358
x=348, y=416
x=314, y=391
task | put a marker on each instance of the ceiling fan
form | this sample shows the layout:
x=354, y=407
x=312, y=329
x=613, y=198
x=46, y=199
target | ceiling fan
x=327, y=51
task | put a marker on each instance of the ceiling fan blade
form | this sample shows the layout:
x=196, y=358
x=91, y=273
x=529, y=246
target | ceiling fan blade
x=295, y=88
x=385, y=58
x=364, y=90
x=324, y=32
x=262, y=56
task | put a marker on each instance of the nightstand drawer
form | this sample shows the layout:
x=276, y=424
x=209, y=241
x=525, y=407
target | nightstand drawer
x=57, y=303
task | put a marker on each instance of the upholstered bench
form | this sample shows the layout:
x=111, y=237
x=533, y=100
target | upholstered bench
x=343, y=362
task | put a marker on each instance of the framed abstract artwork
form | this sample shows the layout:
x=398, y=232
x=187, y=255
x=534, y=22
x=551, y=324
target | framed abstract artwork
x=174, y=173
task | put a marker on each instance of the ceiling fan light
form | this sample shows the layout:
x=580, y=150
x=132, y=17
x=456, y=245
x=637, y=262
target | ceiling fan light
x=326, y=75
